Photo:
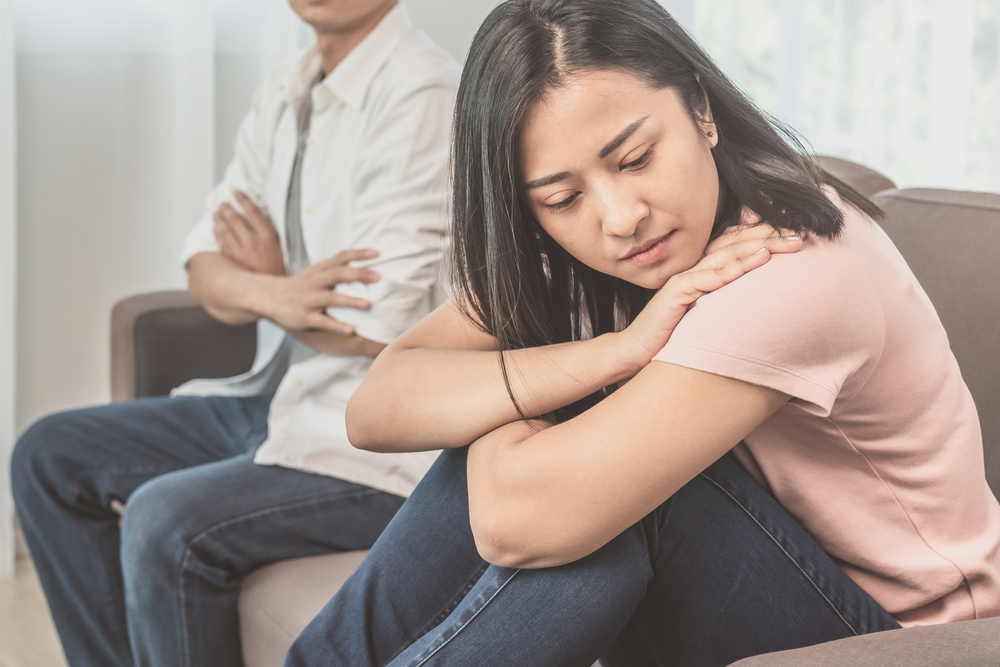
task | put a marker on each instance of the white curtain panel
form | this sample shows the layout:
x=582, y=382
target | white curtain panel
x=126, y=115
x=8, y=240
x=909, y=87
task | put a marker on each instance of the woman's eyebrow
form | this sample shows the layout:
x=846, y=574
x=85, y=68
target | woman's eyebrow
x=547, y=180
x=606, y=151
x=622, y=136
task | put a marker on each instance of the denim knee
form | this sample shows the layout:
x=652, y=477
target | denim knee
x=153, y=535
x=40, y=461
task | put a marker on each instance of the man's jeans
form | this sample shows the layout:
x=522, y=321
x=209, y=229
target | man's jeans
x=199, y=515
x=717, y=573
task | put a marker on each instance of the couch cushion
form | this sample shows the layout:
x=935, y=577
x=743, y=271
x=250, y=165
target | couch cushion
x=969, y=644
x=278, y=601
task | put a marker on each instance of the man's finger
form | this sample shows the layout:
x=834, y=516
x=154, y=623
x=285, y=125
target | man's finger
x=239, y=224
x=324, y=322
x=345, y=257
x=348, y=274
x=224, y=237
x=256, y=220
x=338, y=300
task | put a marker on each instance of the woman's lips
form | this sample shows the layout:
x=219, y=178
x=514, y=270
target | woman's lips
x=649, y=253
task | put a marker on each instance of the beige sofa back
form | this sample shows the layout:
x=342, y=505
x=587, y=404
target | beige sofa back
x=951, y=240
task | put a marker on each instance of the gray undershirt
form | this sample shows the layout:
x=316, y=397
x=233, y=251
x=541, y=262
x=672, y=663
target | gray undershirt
x=298, y=257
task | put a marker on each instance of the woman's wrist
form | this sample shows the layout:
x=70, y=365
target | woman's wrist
x=626, y=357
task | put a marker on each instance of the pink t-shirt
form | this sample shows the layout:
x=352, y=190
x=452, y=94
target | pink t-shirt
x=879, y=453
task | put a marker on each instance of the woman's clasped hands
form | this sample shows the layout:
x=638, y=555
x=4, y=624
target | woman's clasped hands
x=734, y=253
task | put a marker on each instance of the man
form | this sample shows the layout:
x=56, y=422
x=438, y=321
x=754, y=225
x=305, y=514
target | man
x=330, y=222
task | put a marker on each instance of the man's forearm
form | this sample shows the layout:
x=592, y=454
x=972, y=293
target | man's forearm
x=229, y=293
x=234, y=295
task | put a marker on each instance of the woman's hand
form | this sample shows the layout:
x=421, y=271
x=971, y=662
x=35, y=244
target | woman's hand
x=739, y=250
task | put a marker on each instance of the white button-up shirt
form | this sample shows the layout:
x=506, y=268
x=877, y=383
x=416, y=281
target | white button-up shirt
x=374, y=175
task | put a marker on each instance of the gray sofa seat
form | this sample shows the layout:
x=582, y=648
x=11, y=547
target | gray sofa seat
x=966, y=644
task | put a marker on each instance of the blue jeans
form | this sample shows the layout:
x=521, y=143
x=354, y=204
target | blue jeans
x=162, y=590
x=717, y=573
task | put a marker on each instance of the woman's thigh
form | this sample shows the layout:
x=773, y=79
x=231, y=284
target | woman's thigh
x=719, y=572
x=423, y=565
x=735, y=575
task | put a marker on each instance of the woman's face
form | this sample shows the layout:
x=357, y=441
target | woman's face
x=620, y=176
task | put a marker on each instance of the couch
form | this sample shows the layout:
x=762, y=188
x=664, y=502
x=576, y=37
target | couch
x=951, y=240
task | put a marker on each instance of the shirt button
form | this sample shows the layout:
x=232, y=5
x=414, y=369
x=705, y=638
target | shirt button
x=296, y=382
x=324, y=92
x=310, y=140
x=309, y=211
x=340, y=106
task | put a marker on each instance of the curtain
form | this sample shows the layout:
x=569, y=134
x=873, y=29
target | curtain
x=126, y=115
x=7, y=289
x=908, y=87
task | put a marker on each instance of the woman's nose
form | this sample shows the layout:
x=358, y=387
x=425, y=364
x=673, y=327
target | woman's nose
x=621, y=211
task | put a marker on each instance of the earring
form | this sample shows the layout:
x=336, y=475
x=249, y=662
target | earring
x=711, y=134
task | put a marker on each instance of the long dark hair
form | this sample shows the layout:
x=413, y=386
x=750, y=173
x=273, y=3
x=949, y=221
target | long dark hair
x=513, y=279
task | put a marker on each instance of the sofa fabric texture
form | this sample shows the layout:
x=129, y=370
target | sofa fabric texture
x=161, y=340
x=951, y=240
x=277, y=601
x=861, y=178
x=966, y=644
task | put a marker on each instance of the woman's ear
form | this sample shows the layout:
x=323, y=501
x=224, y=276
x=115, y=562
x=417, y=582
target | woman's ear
x=710, y=131
x=706, y=121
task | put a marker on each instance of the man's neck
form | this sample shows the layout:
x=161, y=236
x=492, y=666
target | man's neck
x=334, y=45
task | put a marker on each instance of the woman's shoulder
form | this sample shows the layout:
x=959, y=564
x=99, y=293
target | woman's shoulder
x=826, y=280
x=804, y=323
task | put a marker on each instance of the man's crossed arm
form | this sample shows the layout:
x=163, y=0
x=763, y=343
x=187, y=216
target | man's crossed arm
x=247, y=280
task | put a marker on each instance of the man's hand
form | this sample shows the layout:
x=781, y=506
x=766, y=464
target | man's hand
x=251, y=240
x=299, y=302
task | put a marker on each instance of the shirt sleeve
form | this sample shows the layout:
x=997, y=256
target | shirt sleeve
x=400, y=208
x=246, y=172
x=807, y=324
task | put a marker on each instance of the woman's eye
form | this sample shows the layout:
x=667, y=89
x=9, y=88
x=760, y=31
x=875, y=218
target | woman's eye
x=639, y=161
x=558, y=206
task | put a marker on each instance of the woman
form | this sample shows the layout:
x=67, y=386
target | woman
x=603, y=168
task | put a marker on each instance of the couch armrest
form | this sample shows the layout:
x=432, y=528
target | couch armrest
x=160, y=340
x=969, y=644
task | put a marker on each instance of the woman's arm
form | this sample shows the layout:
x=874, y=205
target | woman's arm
x=440, y=385
x=541, y=498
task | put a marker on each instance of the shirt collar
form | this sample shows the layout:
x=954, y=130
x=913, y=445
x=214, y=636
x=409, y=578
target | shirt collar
x=349, y=81
x=305, y=70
